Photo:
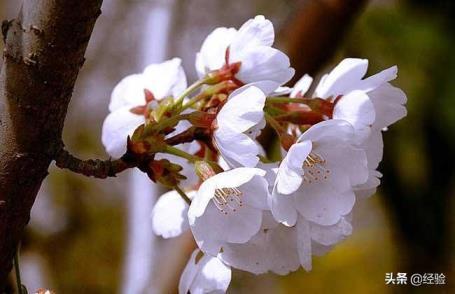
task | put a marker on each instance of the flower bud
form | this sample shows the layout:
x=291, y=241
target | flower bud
x=204, y=170
x=201, y=119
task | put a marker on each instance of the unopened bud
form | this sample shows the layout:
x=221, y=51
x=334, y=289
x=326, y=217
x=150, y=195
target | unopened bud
x=201, y=119
x=204, y=170
x=227, y=72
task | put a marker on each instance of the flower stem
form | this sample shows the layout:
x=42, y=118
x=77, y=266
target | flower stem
x=180, y=153
x=182, y=194
x=307, y=101
x=224, y=86
x=194, y=101
x=319, y=104
x=172, y=120
x=274, y=123
x=196, y=85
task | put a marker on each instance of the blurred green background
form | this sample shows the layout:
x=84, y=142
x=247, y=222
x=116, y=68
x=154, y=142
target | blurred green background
x=77, y=240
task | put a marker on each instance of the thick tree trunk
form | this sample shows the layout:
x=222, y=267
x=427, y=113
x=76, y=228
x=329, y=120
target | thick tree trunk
x=44, y=51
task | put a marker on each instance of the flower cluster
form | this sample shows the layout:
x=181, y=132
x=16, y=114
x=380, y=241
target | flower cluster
x=248, y=207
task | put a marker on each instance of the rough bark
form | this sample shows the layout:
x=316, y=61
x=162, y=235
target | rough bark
x=44, y=51
x=312, y=36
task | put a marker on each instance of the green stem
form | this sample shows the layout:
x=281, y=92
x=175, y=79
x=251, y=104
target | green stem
x=287, y=100
x=194, y=101
x=196, y=85
x=183, y=194
x=180, y=153
x=274, y=123
x=210, y=91
x=172, y=120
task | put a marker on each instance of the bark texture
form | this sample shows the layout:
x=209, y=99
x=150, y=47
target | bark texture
x=44, y=50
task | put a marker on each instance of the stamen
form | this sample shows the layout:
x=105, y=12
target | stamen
x=228, y=199
x=314, y=168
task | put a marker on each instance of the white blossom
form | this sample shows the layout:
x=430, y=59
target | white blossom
x=251, y=45
x=228, y=208
x=370, y=104
x=204, y=274
x=316, y=177
x=170, y=214
x=238, y=124
x=162, y=80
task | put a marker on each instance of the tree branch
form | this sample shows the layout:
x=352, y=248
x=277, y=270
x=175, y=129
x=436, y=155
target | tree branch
x=189, y=135
x=97, y=168
x=44, y=51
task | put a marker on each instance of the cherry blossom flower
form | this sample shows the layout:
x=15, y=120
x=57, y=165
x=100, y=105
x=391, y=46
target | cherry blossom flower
x=204, y=274
x=316, y=177
x=370, y=105
x=273, y=248
x=250, y=47
x=281, y=249
x=228, y=208
x=170, y=214
x=129, y=102
x=238, y=123
x=365, y=103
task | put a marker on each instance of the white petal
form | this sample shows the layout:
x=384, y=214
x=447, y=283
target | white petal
x=320, y=86
x=255, y=193
x=267, y=87
x=165, y=79
x=281, y=91
x=369, y=187
x=237, y=149
x=255, y=32
x=330, y=235
x=213, y=50
x=304, y=243
x=117, y=126
x=263, y=64
x=290, y=172
x=373, y=147
x=329, y=129
x=283, y=208
x=325, y=204
x=356, y=108
x=271, y=249
x=271, y=170
x=236, y=223
x=129, y=92
x=373, y=82
x=389, y=103
x=243, y=110
x=302, y=86
x=170, y=215
x=206, y=275
x=189, y=273
x=216, y=227
x=343, y=78
x=229, y=179
x=319, y=249
x=340, y=155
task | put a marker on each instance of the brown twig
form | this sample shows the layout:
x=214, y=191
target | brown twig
x=97, y=168
x=191, y=134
